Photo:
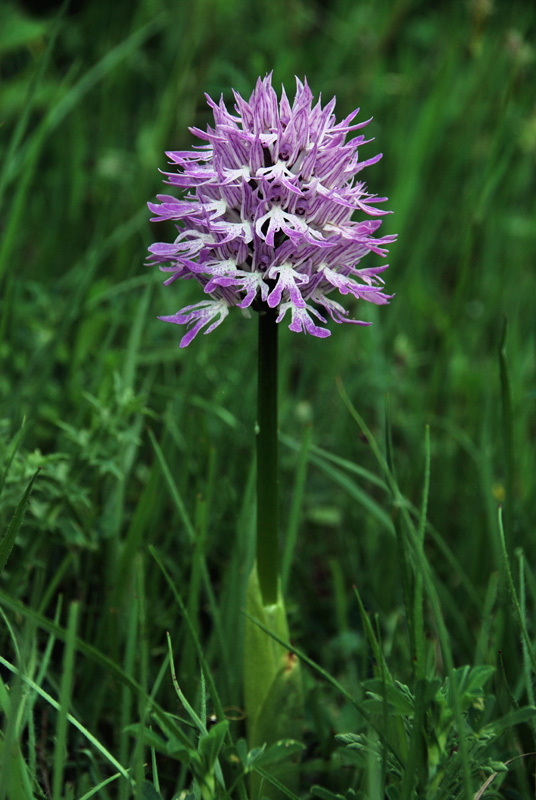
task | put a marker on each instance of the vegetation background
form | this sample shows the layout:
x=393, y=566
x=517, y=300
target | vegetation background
x=141, y=445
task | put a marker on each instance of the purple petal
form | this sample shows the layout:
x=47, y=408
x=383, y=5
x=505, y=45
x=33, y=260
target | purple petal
x=265, y=212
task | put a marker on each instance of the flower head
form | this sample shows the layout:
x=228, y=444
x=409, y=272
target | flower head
x=266, y=214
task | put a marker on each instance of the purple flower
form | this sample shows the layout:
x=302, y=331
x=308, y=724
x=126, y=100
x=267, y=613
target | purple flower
x=266, y=217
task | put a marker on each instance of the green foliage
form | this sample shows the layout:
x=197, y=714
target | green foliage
x=421, y=683
x=94, y=449
x=439, y=773
x=273, y=699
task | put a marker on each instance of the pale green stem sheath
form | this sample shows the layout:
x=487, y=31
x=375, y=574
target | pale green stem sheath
x=267, y=472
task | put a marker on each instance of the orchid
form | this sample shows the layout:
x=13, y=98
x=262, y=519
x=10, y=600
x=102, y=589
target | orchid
x=265, y=216
x=265, y=223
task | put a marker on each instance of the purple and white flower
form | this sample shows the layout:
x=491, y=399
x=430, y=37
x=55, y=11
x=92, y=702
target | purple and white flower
x=266, y=214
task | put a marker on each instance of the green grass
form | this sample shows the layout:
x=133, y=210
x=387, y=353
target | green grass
x=398, y=442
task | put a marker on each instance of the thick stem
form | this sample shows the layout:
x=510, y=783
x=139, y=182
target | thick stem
x=267, y=472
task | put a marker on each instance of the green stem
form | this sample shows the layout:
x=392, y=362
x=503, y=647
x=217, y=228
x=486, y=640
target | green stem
x=267, y=472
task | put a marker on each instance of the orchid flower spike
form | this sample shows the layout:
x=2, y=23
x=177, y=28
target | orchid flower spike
x=265, y=214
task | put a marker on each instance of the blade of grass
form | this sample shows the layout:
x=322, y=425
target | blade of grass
x=138, y=757
x=526, y=641
x=8, y=540
x=135, y=338
x=15, y=446
x=402, y=740
x=507, y=432
x=277, y=784
x=401, y=548
x=202, y=516
x=338, y=461
x=373, y=641
x=418, y=611
x=295, y=509
x=192, y=535
x=487, y=619
x=523, y=610
x=126, y=697
x=196, y=719
x=66, y=686
x=101, y=785
x=50, y=700
x=33, y=85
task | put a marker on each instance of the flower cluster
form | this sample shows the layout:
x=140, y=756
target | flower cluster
x=267, y=214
